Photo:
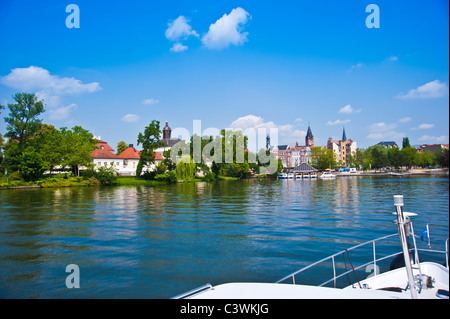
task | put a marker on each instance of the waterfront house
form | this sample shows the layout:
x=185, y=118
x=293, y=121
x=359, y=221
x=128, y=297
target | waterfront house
x=342, y=148
x=104, y=156
x=296, y=155
x=390, y=144
x=125, y=163
x=304, y=170
x=130, y=159
x=432, y=147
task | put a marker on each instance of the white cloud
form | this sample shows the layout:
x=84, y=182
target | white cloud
x=131, y=118
x=384, y=131
x=178, y=47
x=298, y=119
x=430, y=90
x=227, y=30
x=337, y=122
x=61, y=113
x=348, y=109
x=433, y=139
x=37, y=78
x=49, y=88
x=393, y=58
x=179, y=29
x=424, y=126
x=405, y=119
x=150, y=101
x=286, y=132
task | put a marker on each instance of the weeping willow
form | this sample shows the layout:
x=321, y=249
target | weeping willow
x=186, y=169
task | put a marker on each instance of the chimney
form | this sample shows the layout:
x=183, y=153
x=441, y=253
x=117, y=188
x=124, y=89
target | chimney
x=130, y=145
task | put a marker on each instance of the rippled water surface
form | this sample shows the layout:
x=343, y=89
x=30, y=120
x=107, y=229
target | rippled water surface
x=157, y=242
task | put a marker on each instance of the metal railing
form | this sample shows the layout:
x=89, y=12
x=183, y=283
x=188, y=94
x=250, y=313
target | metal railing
x=353, y=269
x=194, y=291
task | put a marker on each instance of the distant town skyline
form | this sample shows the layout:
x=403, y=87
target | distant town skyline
x=234, y=64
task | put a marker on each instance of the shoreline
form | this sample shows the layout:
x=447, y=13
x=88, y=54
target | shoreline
x=412, y=172
x=136, y=182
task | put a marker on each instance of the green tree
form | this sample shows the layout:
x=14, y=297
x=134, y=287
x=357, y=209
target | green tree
x=322, y=158
x=23, y=121
x=409, y=156
x=150, y=140
x=425, y=159
x=379, y=157
x=2, y=143
x=396, y=158
x=405, y=142
x=49, y=142
x=121, y=146
x=31, y=165
x=186, y=169
x=77, y=146
x=168, y=161
x=442, y=157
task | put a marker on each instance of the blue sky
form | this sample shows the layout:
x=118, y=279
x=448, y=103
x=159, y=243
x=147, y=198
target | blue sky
x=241, y=64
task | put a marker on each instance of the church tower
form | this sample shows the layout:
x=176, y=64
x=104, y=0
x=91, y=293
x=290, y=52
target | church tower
x=167, y=132
x=309, y=139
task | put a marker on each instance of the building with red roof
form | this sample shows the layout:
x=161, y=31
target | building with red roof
x=125, y=163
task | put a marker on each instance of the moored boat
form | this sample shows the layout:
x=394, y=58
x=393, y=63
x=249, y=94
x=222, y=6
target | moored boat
x=327, y=175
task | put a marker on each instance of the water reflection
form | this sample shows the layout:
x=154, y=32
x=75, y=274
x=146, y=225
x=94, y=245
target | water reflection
x=154, y=242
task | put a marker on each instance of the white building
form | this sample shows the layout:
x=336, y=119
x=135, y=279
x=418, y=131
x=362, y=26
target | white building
x=125, y=163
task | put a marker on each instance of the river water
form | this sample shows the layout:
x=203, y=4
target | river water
x=157, y=242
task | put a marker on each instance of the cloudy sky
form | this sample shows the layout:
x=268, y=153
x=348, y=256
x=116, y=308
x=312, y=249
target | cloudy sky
x=237, y=64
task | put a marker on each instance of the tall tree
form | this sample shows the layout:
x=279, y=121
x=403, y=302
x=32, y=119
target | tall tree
x=77, y=145
x=379, y=157
x=405, y=142
x=51, y=145
x=150, y=140
x=23, y=121
x=442, y=157
x=121, y=146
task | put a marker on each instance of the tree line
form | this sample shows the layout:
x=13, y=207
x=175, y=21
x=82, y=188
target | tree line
x=378, y=157
x=227, y=153
x=34, y=147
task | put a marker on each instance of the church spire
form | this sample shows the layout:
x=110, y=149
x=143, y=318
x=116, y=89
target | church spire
x=344, y=136
x=309, y=139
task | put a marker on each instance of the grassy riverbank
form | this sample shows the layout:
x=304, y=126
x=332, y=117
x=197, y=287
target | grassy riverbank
x=50, y=182
x=61, y=181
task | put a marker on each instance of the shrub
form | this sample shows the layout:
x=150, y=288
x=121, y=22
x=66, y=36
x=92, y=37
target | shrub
x=169, y=177
x=209, y=177
x=106, y=175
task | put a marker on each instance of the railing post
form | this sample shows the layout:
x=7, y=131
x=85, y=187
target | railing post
x=374, y=259
x=334, y=272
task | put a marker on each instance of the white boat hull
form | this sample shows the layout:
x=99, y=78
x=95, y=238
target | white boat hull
x=374, y=285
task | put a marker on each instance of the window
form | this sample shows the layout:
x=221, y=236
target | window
x=99, y=164
x=105, y=163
